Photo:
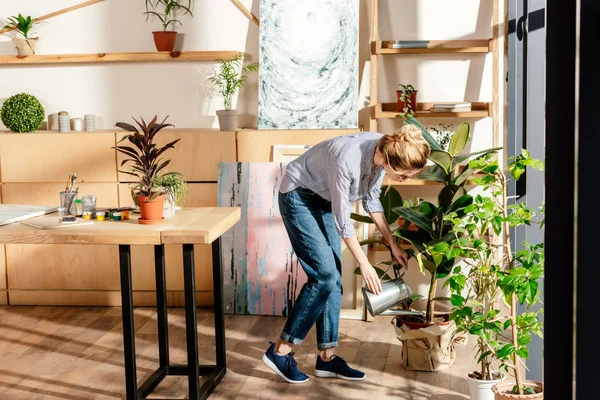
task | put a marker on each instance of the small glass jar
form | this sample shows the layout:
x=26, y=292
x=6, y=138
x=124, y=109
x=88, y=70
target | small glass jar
x=125, y=215
x=116, y=215
x=87, y=215
x=100, y=216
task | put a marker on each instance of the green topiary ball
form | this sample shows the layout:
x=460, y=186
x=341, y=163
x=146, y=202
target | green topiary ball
x=22, y=113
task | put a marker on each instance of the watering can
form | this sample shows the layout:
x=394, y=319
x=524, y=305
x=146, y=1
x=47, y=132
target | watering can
x=393, y=292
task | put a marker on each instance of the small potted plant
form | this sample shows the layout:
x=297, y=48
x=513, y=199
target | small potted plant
x=22, y=113
x=175, y=189
x=407, y=100
x=165, y=40
x=231, y=77
x=147, y=164
x=25, y=44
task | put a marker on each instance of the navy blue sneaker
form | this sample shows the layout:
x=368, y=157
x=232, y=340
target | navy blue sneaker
x=337, y=367
x=285, y=366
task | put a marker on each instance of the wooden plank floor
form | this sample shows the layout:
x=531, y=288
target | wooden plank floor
x=76, y=353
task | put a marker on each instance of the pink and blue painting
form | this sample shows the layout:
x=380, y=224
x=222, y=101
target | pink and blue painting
x=262, y=276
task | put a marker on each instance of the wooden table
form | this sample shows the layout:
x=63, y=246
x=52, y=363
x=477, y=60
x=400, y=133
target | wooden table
x=188, y=227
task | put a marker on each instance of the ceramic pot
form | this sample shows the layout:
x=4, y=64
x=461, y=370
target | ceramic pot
x=482, y=390
x=500, y=390
x=151, y=211
x=25, y=47
x=227, y=120
x=164, y=40
x=402, y=104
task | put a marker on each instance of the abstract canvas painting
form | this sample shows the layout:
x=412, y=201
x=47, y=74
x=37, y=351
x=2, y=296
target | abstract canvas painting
x=308, y=77
x=261, y=274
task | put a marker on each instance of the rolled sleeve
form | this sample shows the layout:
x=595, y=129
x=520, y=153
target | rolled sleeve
x=371, y=202
x=340, y=202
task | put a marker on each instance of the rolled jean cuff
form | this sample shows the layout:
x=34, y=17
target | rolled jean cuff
x=290, y=339
x=330, y=345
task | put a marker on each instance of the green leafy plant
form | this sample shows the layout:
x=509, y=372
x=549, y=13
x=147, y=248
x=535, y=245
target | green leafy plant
x=443, y=135
x=145, y=155
x=174, y=185
x=21, y=24
x=406, y=92
x=495, y=271
x=231, y=77
x=167, y=12
x=22, y=113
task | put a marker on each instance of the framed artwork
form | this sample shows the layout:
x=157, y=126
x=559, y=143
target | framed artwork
x=287, y=152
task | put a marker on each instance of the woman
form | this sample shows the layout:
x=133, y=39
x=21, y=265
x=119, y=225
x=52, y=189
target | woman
x=314, y=201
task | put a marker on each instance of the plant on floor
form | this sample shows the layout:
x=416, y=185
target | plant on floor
x=166, y=9
x=22, y=113
x=147, y=163
x=407, y=100
x=23, y=25
x=494, y=271
x=231, y=77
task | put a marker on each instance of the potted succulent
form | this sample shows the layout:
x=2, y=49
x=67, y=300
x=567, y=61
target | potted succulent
x=231, y=77
x=174, y=186
x=165, y=40
x=407, y=100
x=495, y=271
x=22, y=113
x=25, y=44
x=147, y=164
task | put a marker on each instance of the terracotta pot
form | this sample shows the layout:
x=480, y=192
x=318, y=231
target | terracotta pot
x=501, y=388
x=151, y=211
x=227, y=120
x=25, y=47
x=413, y=101
x=164, y=40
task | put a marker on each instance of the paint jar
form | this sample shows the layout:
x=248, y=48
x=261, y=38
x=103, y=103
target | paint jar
x=116, y=216
x=87, y=215
x=100, y=216
x=125, y=215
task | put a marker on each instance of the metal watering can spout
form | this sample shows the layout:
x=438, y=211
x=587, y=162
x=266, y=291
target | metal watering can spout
x=394, y=292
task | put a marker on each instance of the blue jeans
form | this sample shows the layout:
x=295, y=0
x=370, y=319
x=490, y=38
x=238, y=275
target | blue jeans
x=309, y=223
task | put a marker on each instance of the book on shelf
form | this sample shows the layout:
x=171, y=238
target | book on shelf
x=451, y=107
x=409, y=44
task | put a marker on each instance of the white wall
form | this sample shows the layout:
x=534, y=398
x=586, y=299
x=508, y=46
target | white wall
x=116, y=92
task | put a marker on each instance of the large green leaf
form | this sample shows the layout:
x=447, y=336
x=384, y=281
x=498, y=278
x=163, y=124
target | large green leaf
x=425, y=264
x=361, y=218
x=428, y=209
x=461, y=179
x=433, y=173
x=433, y=144
x=416, y=238
x=390, y=199
x=447, y=195
x=459, y=139
x=460, y=203
x=463, y=157
x=416, y=218
x=441, y=158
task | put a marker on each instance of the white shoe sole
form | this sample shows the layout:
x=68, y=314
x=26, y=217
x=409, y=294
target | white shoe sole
x=329, y=374
x=271, y=365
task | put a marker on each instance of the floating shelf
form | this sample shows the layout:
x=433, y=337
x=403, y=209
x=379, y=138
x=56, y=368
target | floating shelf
x=436, y=47
x=390, y=110
x=118, y=57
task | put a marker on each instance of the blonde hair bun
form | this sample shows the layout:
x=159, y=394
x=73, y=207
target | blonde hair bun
x=408, y=134
x=405, y=149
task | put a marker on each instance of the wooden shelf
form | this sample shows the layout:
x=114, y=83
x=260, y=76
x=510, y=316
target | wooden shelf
x=436, y=47
x=390, y=110
x=118, y=57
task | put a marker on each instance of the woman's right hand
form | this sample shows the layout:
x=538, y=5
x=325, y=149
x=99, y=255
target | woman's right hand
x=371, y=278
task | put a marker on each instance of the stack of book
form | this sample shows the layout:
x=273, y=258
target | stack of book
x=451, y=107
x=409, y=44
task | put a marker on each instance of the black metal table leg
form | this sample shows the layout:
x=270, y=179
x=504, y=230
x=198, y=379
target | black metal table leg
x=191, y=328
x=128, y=329
x=218, y=299
x=161, y=305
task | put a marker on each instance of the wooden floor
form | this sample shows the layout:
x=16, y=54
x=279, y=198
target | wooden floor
x=76, y=353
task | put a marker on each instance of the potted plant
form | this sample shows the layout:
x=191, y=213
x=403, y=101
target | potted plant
x=443, y=135
x=26, y=44
x=147, y=164
x=175, y=189
x=231, y=77
x=22, y=113
x=494, y=271
x=165, y=40
x=407, y=100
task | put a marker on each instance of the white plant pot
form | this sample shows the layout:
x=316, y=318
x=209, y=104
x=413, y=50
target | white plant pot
x=227, y=120
x=169, y=208
x=25, y=47
x=482, y=390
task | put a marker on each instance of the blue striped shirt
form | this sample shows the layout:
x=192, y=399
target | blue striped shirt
x=339, y=170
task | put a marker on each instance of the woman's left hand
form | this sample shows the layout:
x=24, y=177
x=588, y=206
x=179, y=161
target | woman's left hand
x=399, y=254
